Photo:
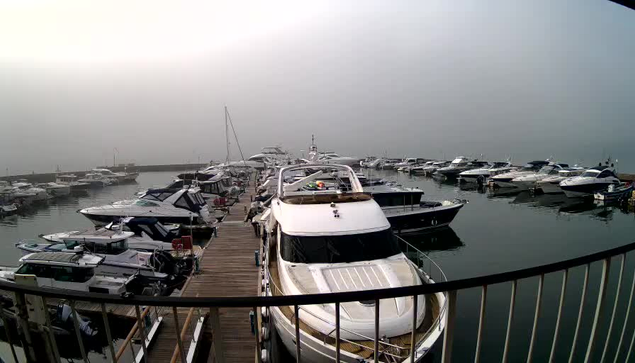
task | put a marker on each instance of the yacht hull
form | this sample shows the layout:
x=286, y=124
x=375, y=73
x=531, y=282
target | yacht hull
x=417, y=218
x=550, y=188
x=583, y=190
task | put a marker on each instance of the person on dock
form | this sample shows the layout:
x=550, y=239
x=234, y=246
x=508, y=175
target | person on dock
x=253, y=216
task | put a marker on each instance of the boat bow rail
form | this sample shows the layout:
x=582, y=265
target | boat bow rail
x=590, y=348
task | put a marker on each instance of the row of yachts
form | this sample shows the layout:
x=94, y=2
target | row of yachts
x=22, y=193
x=144, y=245
x=545, y=176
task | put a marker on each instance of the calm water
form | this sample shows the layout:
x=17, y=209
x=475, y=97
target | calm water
x=493, y=233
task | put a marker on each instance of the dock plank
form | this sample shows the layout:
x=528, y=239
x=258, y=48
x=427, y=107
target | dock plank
x=227, y=269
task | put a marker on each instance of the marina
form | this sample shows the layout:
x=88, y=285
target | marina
x=226, y=259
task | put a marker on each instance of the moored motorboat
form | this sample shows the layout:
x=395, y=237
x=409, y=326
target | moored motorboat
x=179, y=206
x=72, y=181
x=551, y=184
x=615, y=193
x=504, y=180
x=55, y=189
x=480, y=175
x=529, y=181
x=593, y=180
x=317, y=241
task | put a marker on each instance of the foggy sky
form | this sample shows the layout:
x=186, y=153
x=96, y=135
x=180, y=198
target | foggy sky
x=520, y=79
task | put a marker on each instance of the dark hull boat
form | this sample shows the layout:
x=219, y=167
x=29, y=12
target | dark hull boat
x=408, y=214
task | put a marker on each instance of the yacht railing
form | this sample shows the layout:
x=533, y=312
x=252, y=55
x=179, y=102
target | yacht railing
x=608, y=336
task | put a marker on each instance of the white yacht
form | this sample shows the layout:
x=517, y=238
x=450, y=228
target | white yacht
x=122, y=177
x=71, y=181
x=119, y=260
x=181, y=206
x=25, y=190
x=528, y=181
x=431, y=169
x=457, y=166
x=270, y=155
x=504, y=180
x=334, y=240
x=333, y=158
x=96, y=180
x=593, y=180
x=406, y=162
x=420, y=168
x=481, y=175
x=143, y=234
x=68, y=271
x=551, y=184
x=55, y=189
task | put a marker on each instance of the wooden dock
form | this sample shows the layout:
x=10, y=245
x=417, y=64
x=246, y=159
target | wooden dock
x=227, y=269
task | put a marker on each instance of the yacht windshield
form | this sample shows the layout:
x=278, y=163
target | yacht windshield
x=339, y=249
x=546, y=169
x=591, y=173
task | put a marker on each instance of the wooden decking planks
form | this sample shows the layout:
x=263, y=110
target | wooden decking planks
x=227, y=269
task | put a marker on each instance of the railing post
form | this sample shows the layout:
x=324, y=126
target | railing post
x=448, y=334
x=51, y=335
x=337, y=332
x=142, y=330
x=111, y=346
x=481, y=323
x=563, y=291
x=617, y=299
x=510, y=319
x=217, y=338
x=257, y=335
x=628, y=312
x=78, y=333
x=8, y=332
x=376, y=342
x=534, y=330
x=413, y=334
x=599, y=308
x=179, y=341
x=580, y=311
x=297, y=333
x=23, y=321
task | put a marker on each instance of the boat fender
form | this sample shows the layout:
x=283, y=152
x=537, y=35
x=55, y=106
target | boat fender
x=264, y=313
x=264, y=333
x=264, y=355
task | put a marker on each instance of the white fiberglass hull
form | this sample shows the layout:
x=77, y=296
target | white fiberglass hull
x=316, y=351
x=550, y=188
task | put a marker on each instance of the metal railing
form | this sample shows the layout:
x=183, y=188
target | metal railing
x=596, y=341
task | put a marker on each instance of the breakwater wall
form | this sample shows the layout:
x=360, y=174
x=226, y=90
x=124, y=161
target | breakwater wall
x=49, y=177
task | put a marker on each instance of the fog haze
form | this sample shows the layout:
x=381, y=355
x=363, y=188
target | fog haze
x=80, y=81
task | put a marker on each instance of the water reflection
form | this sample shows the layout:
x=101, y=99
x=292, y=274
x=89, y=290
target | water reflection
x=443, y=239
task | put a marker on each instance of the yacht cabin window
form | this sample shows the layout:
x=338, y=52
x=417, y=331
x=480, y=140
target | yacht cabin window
x=145, y=203
x=338, y=249
x=606, y=174
x=59, y=273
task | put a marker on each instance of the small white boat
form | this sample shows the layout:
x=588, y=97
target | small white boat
x=615, y=193
x=529, y=181
x=119, y=178
x=67, y=271
x=55, y=189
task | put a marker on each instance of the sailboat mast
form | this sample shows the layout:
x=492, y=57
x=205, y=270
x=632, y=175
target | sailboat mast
x=231, y=123
x=226, y=135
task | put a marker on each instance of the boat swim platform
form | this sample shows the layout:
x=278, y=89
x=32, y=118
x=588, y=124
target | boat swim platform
x=227, y=268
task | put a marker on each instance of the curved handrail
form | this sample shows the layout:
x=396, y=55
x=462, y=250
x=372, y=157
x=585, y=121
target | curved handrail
x=321, y=298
